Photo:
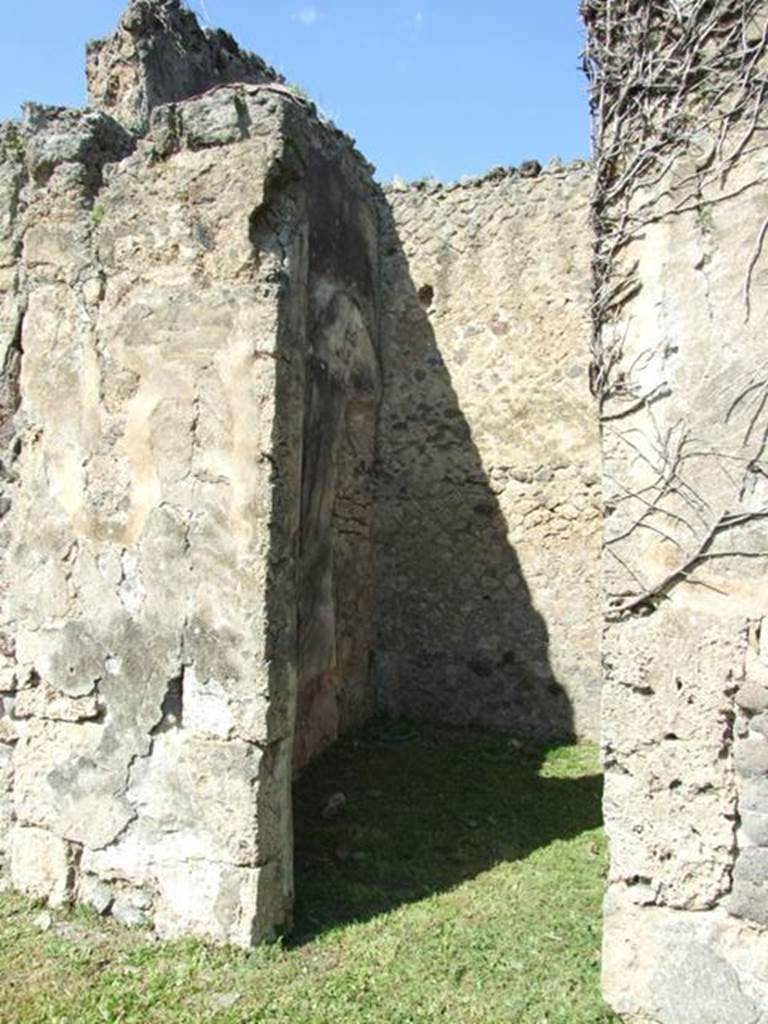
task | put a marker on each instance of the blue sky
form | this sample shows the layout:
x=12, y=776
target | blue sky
x=427, y=87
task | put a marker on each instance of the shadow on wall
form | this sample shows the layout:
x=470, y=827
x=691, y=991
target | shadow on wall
x=342, y=384
x=427, y=808
x=457, y=637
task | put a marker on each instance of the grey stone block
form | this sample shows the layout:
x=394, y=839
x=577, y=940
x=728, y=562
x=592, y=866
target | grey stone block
x=98, y=895
x=755, y=827
x=695, y=986
x=749, y=900
x=751, y=756
x=752, y=866
x=753, y=795
x=752, y=697
x=126, y=914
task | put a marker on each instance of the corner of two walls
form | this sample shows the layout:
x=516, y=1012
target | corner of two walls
x=190, y=318
x=148, y=700
x=254, y=452
x=451, y=502
x=343, y=389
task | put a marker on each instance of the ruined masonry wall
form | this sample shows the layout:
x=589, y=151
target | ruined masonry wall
x=167, y=304
x=487, y=501
x=681, y=346
x=276, y=449
x=12, y=179
x=139, y=688
x=160, y=54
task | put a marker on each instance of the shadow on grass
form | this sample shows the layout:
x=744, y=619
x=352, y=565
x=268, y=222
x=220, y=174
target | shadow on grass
x=427, y=808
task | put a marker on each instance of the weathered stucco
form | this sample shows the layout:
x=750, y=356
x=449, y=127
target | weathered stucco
x=681, y=319
x=190, y=315
x=487, y=497
x=146, y=734
x=279, y=448
x=12, y=178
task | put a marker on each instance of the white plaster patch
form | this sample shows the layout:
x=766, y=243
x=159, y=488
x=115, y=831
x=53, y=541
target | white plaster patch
x=131, y=589
x=206, y=706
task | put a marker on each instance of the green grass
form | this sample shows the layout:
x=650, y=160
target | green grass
x=461, y=884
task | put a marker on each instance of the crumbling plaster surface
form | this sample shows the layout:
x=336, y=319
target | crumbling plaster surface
x=680, y=353
x=263, y=429
x=343, y=386
x=147, y=736
x=12, y=179
x=488, y=479
x=172, y=302
x=685, y=678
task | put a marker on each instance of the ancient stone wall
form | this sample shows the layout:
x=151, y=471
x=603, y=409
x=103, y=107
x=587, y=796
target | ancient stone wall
x=12, y=180
x=487, y=502
x=189, y=319
x=276, y=449
x=160, y=54
x=679, y=368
